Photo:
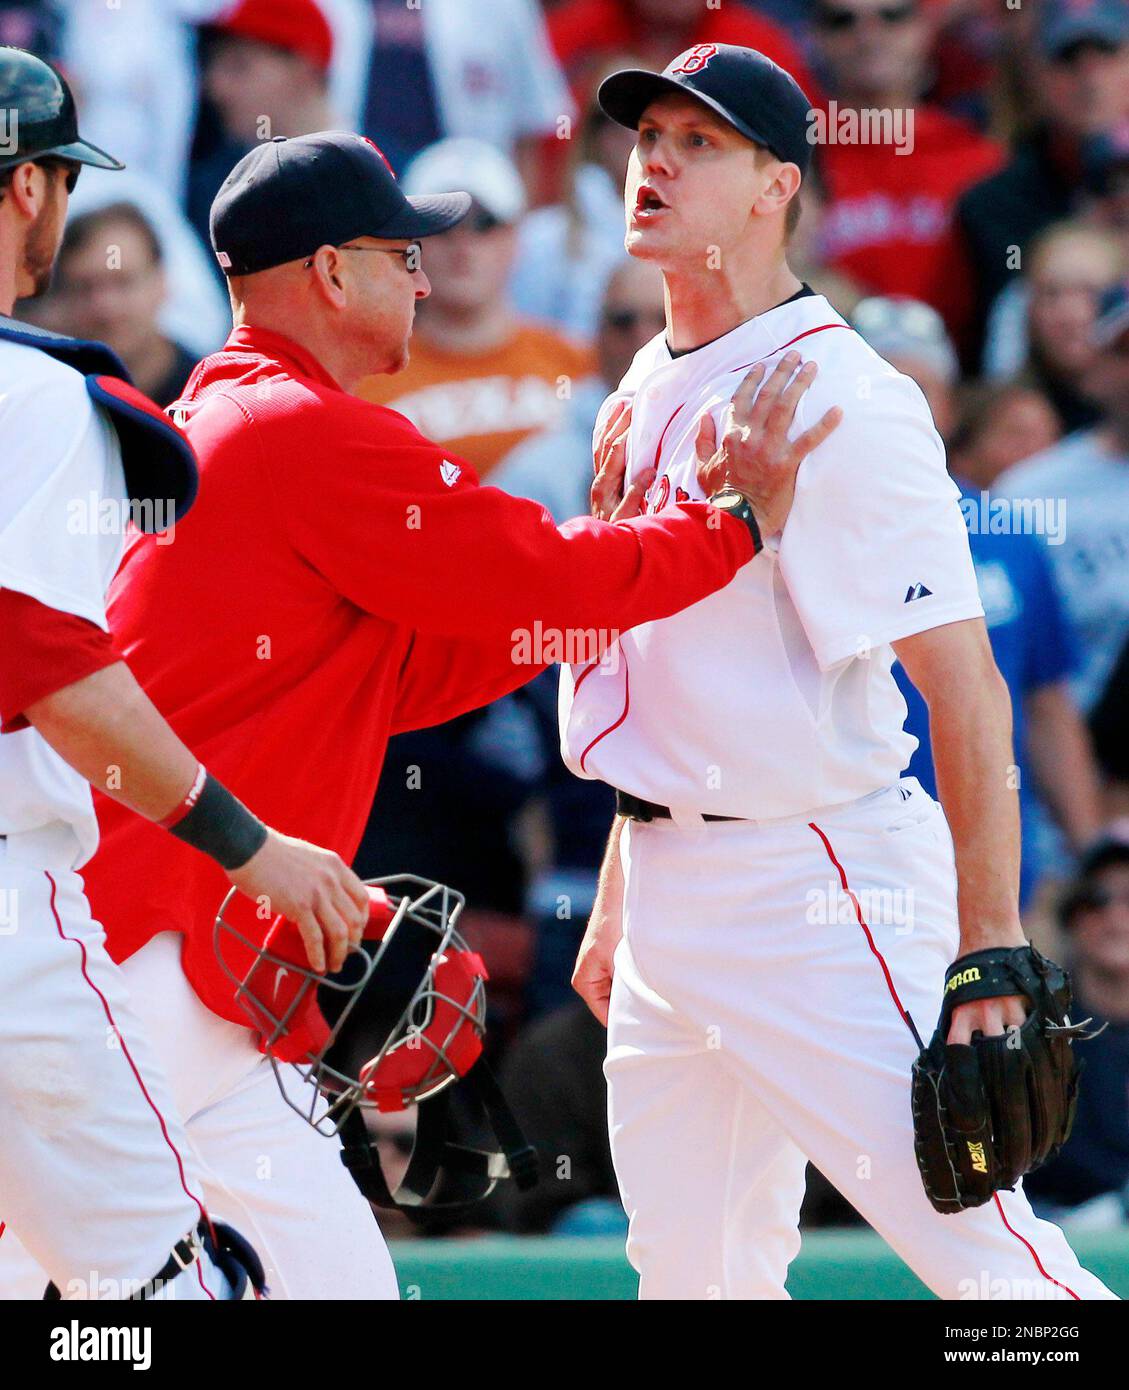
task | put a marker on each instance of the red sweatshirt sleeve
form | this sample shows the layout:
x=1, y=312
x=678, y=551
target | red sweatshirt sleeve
x=444, y=677
x=405, y=532
x=44, y=650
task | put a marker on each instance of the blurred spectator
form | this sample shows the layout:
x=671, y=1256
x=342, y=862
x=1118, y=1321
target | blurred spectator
x=1094, y=1163
x=585, y=33
x=553, y=1079
x=888, y=220
x=1031, y=637
x=133, y=66
x=265, y=73
x=1109, y=182
x=195, y=311
x=1109, y=728
x=455, y=68
x=1000, y=425
x=911, y=337
x=32, y=24
x=1082, y=64
x=567, y=250
x=555, y=467
x=110, y=285
x=805, y=251
x=1086, y=479
x=1043, y=325
x=481, y=378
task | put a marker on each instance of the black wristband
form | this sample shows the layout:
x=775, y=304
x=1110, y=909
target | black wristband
x=219, y=825
x=728, y=499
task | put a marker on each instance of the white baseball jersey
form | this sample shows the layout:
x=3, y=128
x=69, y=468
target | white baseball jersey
x=62, y=501
x=774, y=695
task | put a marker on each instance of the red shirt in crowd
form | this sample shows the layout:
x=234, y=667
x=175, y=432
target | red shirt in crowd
x=587, y=33
x=888, y=218
x=340, y=579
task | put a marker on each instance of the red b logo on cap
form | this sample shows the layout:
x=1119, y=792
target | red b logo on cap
x=695, y=59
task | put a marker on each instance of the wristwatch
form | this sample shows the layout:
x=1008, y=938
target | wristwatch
x=728, y=499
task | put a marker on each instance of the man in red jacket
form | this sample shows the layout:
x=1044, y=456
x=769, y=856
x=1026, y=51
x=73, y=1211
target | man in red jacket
x=341, y=579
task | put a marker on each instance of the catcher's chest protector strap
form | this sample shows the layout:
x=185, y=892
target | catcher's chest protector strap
x=441, y=1173
x=157, y=459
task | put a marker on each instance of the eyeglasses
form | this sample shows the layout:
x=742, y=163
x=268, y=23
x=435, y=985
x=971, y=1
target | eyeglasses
x=411, y=255
x=840, y=21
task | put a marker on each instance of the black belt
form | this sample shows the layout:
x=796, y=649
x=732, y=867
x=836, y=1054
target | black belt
x=635, y=808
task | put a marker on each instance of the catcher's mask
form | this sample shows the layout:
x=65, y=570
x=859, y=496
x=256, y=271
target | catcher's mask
x=399, y=1024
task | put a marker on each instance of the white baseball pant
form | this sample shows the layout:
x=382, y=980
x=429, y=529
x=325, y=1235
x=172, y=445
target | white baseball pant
x=96, y=1173
x=261, y=1167
x=756, y=1020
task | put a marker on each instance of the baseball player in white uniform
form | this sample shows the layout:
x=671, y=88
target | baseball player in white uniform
x=96, y=1178
x=777, y=903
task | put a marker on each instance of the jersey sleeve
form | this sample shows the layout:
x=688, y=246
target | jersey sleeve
x=876, y=547
x=406, y=533
x=52, y=493
x=44, y=651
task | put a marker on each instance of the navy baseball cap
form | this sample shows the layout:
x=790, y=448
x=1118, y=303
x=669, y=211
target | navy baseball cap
x=758, y=98
x=1066, y=23
x=288, y=197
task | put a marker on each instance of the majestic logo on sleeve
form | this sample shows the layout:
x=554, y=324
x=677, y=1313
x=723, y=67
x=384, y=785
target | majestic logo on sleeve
x=449, y=472
x=917, y=591
x=694, y=59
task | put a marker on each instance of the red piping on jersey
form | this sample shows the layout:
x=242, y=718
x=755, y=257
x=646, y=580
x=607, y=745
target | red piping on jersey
x=822, y=328
x=623, y=714
x=906, y=1019
x=133, y=1067
x=584, y=676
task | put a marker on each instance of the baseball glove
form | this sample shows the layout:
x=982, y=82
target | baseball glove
x=986, y=1113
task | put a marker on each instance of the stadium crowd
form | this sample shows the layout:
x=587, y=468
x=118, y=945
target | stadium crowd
x=976, y=234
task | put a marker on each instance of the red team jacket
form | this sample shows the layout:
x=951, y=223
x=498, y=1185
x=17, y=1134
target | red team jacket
x=341, y=579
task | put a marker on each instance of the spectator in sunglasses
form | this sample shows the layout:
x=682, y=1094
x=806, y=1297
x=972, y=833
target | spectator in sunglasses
x=892, y=183
x=481, y=378
x=1093, y=1168
x=1081, y=60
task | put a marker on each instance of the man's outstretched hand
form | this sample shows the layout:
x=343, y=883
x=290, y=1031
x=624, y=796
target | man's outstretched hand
x=755, y=455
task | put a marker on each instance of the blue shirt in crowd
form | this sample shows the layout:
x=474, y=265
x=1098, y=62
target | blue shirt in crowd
x=1032, y=640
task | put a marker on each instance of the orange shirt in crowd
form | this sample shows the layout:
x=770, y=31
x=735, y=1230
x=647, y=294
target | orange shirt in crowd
x=481, y=405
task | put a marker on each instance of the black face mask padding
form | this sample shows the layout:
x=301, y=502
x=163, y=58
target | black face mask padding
x=382, y=1002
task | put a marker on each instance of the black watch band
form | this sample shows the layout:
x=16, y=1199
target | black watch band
x=728, y=499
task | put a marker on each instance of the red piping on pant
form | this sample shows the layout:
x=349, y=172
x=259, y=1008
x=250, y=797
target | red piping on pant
x=906, y=1019
x=133, y=1067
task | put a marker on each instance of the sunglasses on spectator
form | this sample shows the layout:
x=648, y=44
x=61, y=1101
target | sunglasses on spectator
x=623, y=319
x=837, y=20
x=1097, y=898
x=1069, y=55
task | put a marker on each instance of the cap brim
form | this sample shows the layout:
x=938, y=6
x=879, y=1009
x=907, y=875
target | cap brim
x=625, y=95
x=82, y=152
x=427, y=215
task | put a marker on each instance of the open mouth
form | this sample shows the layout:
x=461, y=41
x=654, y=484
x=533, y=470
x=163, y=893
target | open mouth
x=648, y=204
